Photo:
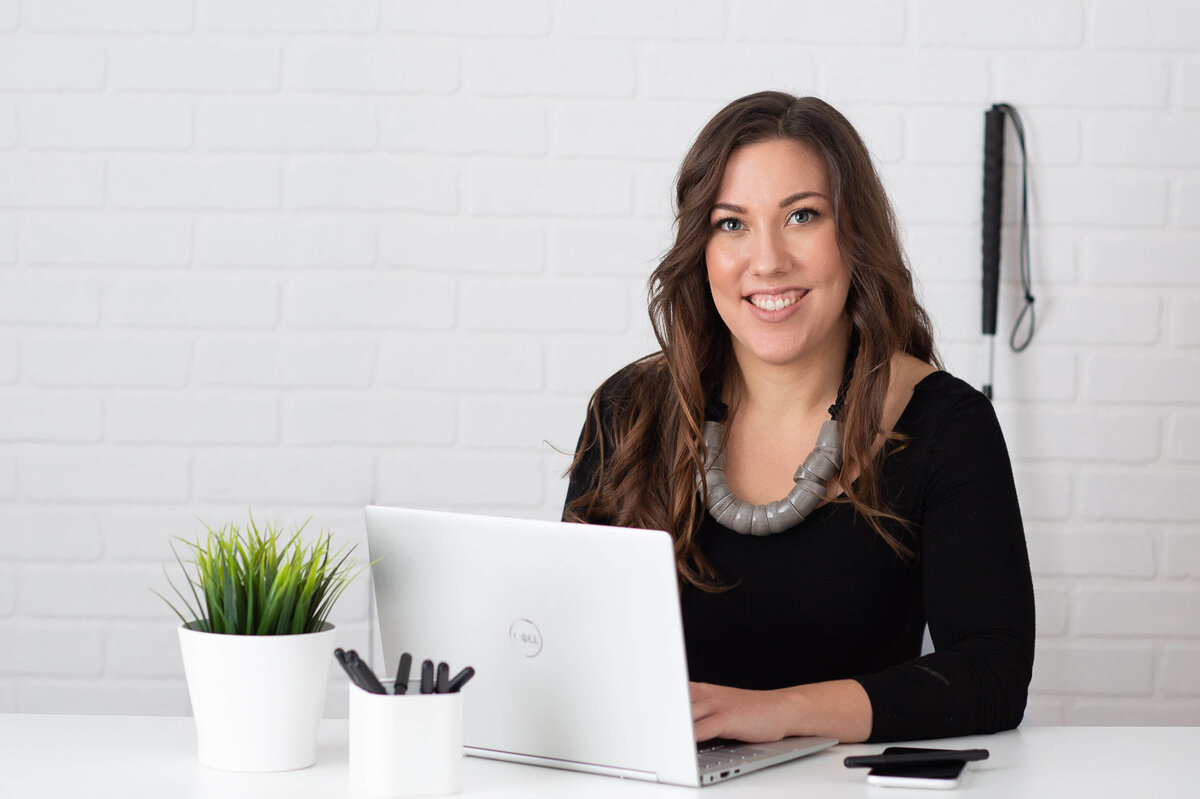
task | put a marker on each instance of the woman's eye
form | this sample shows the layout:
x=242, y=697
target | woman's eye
x=728, y=224
x=802, y=215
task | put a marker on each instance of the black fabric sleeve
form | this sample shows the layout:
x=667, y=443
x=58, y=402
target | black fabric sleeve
x=978, y=593
x=583, y=472
x=603, y=408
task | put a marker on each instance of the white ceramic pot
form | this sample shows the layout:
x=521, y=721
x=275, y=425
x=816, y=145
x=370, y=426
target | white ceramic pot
x=257, y=699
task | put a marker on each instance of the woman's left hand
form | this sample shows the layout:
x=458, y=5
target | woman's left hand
x=719, y=711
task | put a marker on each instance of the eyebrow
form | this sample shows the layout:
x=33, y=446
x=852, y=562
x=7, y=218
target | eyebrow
x=801, y=195
x=797, y=197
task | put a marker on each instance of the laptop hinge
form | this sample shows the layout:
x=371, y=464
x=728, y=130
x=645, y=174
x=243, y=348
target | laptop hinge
x=568, y=765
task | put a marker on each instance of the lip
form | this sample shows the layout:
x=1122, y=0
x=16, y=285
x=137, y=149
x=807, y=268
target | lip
x=782, y=313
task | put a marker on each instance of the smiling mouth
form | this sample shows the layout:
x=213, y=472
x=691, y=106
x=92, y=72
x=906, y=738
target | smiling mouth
x=776, y=302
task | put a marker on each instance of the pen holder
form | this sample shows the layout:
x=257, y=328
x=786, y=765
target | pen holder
x=408, y=745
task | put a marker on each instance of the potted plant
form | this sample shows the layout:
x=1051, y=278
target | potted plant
x=256, y=644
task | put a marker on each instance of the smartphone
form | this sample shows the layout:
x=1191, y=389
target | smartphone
x=924, y=775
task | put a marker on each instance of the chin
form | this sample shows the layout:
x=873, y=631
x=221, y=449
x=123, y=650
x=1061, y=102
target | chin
x=776, y=357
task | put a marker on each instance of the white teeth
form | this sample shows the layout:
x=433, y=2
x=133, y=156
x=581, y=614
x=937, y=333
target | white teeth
x=772, y=305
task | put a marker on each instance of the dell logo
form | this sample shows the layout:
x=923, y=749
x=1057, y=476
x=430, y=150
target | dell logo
x=525, y=637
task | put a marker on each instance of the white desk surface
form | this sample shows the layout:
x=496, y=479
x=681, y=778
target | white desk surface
x=130, y=756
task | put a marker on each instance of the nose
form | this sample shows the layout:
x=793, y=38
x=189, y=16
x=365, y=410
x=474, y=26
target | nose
x=769, y=255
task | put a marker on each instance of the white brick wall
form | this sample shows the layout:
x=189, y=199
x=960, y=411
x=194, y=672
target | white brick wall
x=8, y=359
x=190, y=184
x=50, y=536
x=1182, y=553
x=86, y=122
x=105, y=239
x=1025, y=23
x=50, y=63
x=44, y=181
x=462, y=362
x=289, y=16
x=468, y=17
x=298, y=240
x=8, y=241
x=382, y=65
x=197, y=64
x=667, y=70
x=300, y=256
x=453, y=125
x=134, y=16
x=302, y=363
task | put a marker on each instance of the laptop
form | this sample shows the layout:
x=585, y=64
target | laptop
x=575, y=635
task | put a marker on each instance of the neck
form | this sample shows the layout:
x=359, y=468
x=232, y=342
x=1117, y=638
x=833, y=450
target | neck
x=801, y=388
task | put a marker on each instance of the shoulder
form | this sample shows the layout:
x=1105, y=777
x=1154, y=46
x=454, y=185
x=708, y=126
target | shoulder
x=944, y=389
x=907, y=373
x=944, y=403
x=953, y=449
x=621, y=398
x=629, y=382
x=628, y=392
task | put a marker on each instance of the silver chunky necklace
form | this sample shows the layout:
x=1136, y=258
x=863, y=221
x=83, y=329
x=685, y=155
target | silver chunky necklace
x=818, y=468
x=821, y=465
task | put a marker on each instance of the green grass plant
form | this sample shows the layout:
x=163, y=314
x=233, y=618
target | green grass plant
x=261, y=582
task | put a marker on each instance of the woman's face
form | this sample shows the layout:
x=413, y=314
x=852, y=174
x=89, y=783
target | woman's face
x=774, y=266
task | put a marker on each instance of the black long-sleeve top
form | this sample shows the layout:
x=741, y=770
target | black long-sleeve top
x=829, y=599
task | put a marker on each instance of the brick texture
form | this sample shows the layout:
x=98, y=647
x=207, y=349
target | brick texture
x=1093, y=669
x=51, y=63
x=110, y=16
x=195, y=64
x=297, y=256
x=106, y=239
x=1027, y=23
x=373, y=66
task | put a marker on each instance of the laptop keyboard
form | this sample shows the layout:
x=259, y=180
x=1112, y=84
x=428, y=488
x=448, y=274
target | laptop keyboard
x=712, y=754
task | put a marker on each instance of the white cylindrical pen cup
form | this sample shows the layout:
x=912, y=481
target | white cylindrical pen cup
x=409, y=745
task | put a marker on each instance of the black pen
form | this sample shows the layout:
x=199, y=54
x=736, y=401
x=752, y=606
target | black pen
x=460, y=680
x=402, y=672
x=427, y=677
x=370, y=682
x=354, y=678
x=443, y=678
x=916, y=758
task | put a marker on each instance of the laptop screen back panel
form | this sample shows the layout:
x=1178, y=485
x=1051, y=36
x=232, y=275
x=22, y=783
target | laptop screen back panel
x=574, y=632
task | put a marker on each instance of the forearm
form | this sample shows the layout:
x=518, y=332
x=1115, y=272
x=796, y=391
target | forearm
x=837, y=709
x=976, y=686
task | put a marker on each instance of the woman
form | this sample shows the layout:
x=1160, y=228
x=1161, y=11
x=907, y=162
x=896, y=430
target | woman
x=790, y=334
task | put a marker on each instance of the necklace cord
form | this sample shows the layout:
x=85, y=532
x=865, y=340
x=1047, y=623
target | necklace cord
x=835, y=410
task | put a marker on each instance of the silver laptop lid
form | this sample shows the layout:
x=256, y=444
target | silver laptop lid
x=574, y=632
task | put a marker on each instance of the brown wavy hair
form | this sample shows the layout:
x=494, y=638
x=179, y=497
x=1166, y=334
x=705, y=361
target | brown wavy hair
x=649, y=447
